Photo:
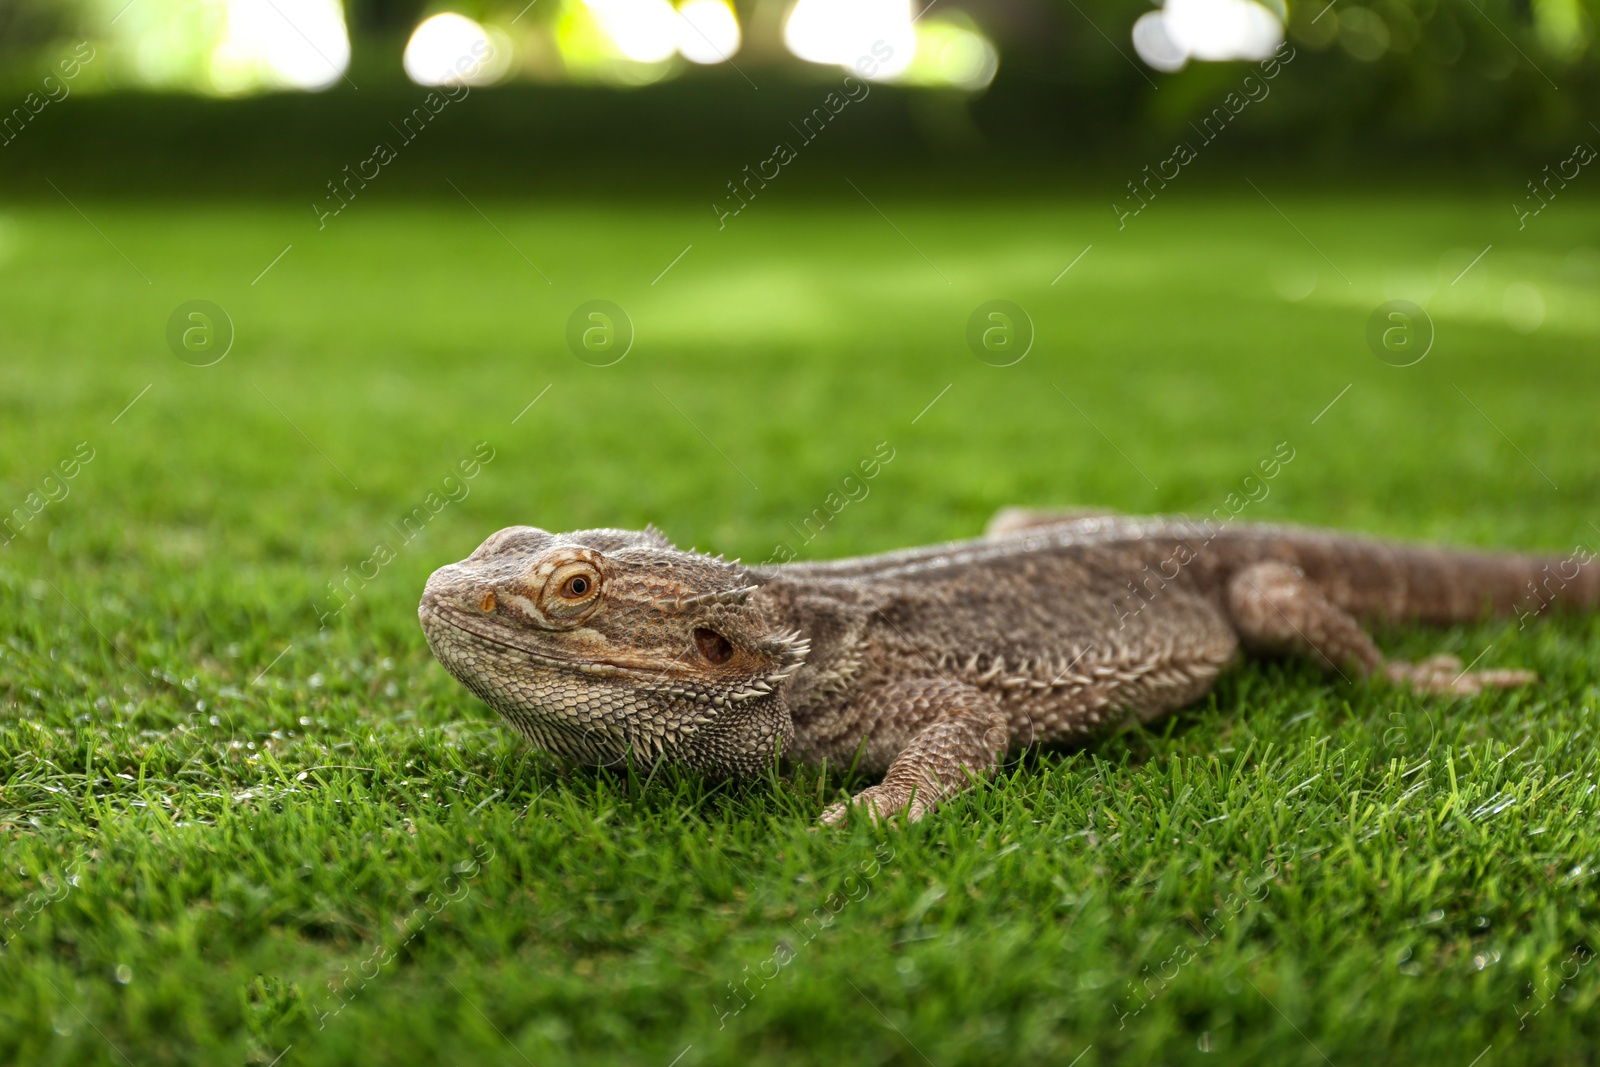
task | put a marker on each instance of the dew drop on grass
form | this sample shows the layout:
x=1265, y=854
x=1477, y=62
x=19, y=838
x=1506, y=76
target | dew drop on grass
x=124, y=973
x=1204, y=1044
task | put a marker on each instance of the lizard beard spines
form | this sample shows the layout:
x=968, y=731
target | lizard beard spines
x=790, y=648
x=787, y=649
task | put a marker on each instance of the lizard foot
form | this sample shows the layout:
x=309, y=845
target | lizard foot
x=879, y=802
x=1443, y=674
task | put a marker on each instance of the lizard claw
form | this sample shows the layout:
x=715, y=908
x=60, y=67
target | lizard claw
x=1443, y=674
x=834, y=814
x=878, y=803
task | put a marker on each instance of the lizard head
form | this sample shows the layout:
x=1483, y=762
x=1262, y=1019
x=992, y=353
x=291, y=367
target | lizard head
x=602, y=643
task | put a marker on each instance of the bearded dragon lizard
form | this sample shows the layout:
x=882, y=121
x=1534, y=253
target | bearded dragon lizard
x=929, y=665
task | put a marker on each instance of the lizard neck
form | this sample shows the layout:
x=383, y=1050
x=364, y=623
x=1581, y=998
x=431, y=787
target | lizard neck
x=836, y=628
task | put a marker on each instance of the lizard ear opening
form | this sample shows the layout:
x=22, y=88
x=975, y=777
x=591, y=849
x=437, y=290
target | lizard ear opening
x=713, y=646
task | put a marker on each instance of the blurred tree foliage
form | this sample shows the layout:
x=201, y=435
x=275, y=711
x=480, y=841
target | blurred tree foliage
x=1488, y=36
x=30, y=25
x=1404, y=75
x=386, y=16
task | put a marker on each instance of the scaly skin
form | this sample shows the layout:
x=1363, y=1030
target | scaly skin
x=929, y=665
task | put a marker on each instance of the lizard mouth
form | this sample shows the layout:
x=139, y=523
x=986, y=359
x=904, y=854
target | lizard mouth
x=464, y=623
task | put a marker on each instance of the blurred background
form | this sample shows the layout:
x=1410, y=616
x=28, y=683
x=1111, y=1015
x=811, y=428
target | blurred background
x=266, y=94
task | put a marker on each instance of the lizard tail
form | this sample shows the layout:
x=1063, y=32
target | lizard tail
x=1437, y=585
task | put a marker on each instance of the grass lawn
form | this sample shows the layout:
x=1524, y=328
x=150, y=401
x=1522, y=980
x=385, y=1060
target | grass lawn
x=238, y=821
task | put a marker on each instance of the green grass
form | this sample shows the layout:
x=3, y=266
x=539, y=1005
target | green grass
x=215, y=811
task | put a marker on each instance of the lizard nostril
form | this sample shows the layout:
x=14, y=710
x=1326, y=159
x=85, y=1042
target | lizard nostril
x=487, y=604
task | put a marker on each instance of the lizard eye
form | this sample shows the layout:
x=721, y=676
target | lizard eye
x=572, y=591
x=713, y=646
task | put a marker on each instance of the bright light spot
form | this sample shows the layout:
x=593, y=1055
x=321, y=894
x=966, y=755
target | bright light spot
x=282, y=44
x=708, y=31
x=1155, y=45
x=952, y=52
x=1210, y=30
x=1223, y=29
x=618, y=42
x=1363, y=33
x=1561, y=26
x=1294, y=282
x=645, y=31
x=1414, y=285
x=1523, y=307
x=875, y=38
x=451, y=49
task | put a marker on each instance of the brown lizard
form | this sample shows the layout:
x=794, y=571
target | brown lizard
x=929, y=665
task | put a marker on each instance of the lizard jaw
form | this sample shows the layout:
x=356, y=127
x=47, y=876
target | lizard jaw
x=434, y=617
x=592, y=722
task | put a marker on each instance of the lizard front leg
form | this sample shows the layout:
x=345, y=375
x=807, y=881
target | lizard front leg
x=1276, y=608
x=937, y=735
